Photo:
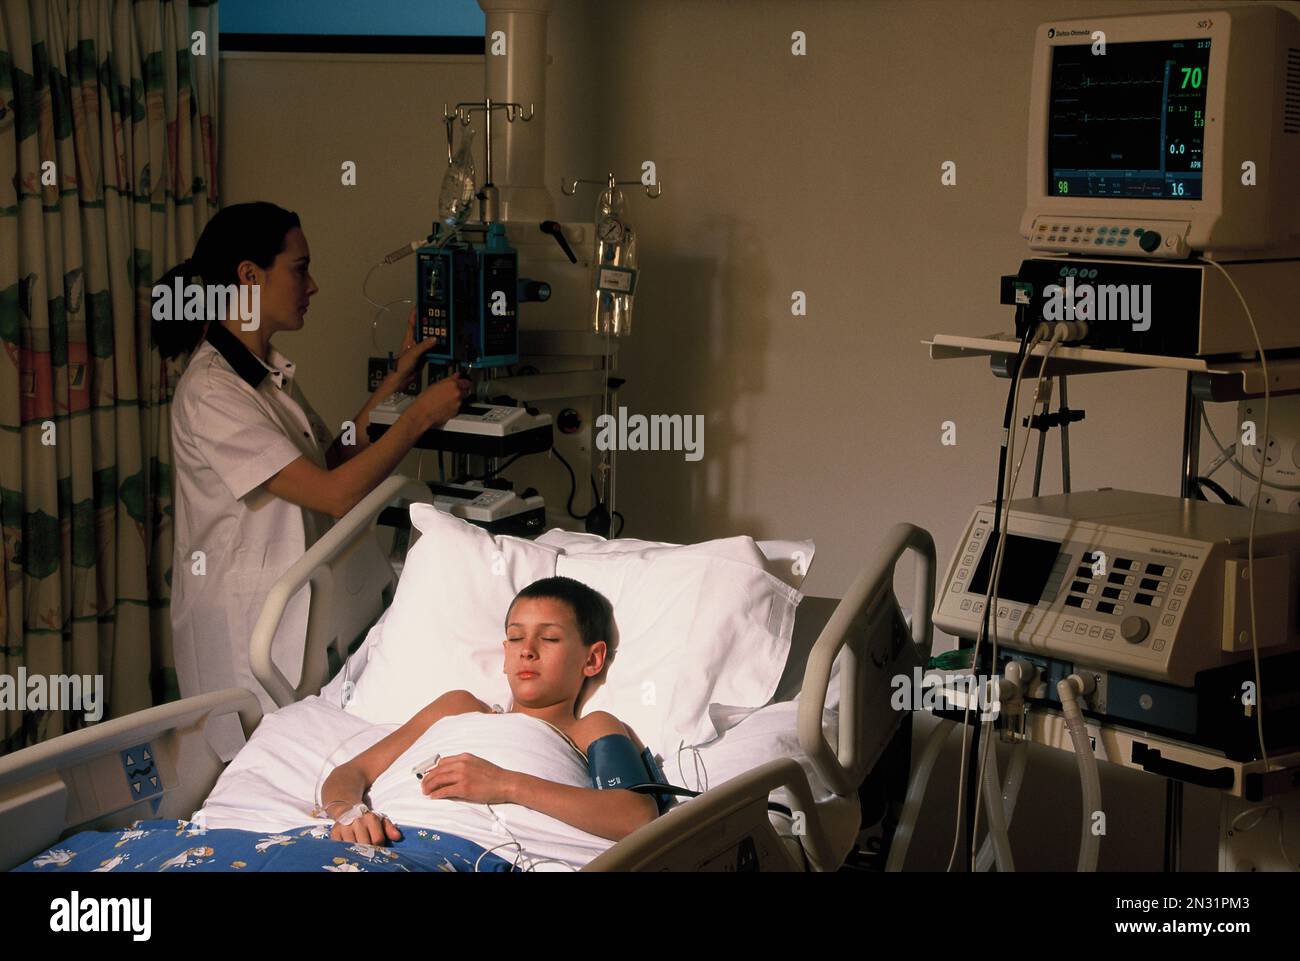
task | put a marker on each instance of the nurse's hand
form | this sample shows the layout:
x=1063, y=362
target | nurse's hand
x=369, y=828
x=407, y=367
x=440, y=402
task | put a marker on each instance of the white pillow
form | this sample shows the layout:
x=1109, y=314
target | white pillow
x=788, y=560
x=444, y=629
x=703, y=636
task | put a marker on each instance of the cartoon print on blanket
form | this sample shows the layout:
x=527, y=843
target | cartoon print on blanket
x=181, y=846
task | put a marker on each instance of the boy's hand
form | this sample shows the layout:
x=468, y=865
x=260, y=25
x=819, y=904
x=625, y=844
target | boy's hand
x=370, y=828
x=466, y=777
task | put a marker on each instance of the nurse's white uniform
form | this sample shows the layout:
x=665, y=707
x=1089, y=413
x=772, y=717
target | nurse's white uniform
x=236, y=422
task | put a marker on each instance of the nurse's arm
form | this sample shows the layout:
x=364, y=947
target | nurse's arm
x=406, y=370
x=339, y=452
x=336, y=491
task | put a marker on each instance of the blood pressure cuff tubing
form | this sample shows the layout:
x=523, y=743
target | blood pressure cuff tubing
x=614, y=763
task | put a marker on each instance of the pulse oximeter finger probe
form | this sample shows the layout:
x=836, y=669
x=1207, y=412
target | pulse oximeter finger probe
x=420, y=770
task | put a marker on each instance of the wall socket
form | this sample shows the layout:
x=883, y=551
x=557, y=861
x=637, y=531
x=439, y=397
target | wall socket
x=1278, y=454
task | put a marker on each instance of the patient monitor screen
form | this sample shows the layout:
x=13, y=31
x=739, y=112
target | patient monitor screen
x=1128, y=123
x=1026, y=565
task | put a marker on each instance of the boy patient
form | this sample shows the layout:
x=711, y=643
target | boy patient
x=556, y=638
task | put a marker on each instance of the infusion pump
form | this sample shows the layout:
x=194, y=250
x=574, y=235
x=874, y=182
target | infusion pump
x=1142, y=584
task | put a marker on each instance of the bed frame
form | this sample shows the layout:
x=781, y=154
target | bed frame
x=81, y=781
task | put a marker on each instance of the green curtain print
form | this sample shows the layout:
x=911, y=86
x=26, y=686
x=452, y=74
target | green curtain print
x=108, y=119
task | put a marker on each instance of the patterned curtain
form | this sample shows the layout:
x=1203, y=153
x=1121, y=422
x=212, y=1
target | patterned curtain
x=108, y=119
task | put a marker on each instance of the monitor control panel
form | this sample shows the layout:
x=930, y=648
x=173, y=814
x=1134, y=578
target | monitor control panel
x=1162, y=239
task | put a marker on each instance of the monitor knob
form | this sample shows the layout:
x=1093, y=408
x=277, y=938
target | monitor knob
x=1149, y=241
x=1135, y=629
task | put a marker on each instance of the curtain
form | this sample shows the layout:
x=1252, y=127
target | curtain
x=108, y=119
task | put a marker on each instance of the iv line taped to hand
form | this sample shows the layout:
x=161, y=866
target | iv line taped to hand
x=331, y=763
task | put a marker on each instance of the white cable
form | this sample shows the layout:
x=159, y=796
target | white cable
x=1068, y=690
x=533, y=862
x=700, y=770
x=1254, y=513
x=390, y=259
x=993, y=802
x=1225, y=454
x=379, y=308
x=1009, y=495
x=514, y=841
x=496, y=847
x=916, y=794
x=1262, y=813
x=1060, y=332
x=365, y=281
x=1018, y=679
x=522, y=856
x=988, y=602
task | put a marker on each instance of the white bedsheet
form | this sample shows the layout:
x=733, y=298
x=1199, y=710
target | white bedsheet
x=271, y=784
x=516, y=742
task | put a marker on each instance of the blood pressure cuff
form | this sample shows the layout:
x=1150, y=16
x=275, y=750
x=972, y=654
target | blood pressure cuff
x=613, y=762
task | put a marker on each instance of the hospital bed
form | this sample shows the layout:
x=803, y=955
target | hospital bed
x=811, y=747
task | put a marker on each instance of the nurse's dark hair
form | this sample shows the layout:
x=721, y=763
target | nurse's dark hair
x=591, y=610
x=253, y=231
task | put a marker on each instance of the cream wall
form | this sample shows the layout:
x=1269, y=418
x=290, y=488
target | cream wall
x=781, y=173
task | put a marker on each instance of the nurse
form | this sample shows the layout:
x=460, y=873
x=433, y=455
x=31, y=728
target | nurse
x=258, y=475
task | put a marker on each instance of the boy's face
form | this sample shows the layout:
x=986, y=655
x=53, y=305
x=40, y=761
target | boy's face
x=545, y=659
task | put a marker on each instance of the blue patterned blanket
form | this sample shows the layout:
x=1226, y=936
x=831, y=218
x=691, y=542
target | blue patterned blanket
x=186, y=847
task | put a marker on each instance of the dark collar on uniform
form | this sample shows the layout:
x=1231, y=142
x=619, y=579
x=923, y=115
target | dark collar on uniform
x=243, y=360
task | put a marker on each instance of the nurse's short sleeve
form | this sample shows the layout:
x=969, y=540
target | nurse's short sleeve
x=238, y=438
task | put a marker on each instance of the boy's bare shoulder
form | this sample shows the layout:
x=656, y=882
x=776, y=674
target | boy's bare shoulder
x=461, y=702
x=598, y=724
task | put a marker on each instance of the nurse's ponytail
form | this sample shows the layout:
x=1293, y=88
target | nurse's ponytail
x=253, y=231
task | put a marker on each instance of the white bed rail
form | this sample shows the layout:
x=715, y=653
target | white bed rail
x=867, y=626
x=337, y=608
x=727, y=829
x=81, y=781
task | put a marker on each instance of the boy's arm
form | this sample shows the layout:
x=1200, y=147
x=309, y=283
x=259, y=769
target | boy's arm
x=348, y=782
x=611, y=813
